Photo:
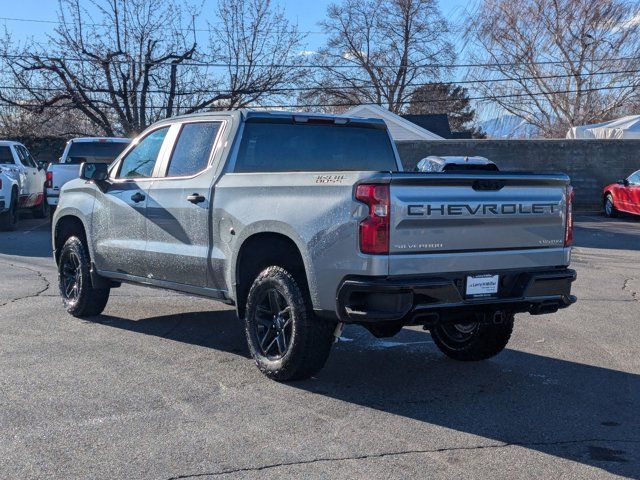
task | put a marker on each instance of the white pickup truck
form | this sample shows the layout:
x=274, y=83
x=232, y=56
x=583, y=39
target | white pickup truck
x=76, y=152
x=21, y=184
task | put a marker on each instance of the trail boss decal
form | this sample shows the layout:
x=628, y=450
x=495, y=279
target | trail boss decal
x=330, y=178
x=485, y=209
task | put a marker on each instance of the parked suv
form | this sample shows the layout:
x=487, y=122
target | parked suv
x=307, y=222
x=21, y=184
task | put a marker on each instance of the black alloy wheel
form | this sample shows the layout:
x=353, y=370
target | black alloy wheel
x=274, y=324
x=70, y=277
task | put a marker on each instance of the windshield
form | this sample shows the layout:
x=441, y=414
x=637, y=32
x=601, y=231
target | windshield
x=94, y=152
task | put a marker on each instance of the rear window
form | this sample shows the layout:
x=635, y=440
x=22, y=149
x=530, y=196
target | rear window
x=94, y=152
x=286, y=147
x=5, y=156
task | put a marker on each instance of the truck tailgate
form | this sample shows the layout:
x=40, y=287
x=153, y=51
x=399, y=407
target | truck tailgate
x=434, y=213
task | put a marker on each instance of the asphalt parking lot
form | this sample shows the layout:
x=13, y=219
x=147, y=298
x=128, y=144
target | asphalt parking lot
x=161, y=386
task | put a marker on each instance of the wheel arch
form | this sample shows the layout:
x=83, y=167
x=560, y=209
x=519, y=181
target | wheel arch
x=608, y=192
x=66, y=227
x=261, y=249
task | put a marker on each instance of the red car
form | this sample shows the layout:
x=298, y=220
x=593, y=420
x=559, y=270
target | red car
x=623, y=196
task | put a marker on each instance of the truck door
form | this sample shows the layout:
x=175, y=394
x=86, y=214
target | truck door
x=24, y=175
x=119, y=215
x=179, y=228
x=34, y=177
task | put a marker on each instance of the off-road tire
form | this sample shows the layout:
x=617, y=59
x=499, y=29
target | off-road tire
x=486, y=340
x=42, y=210
x=89, y=301
x=609, y=211
x=9, y=219
x=310, y=338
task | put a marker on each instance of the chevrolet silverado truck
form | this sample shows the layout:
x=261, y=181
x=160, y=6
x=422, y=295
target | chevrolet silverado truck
x=76, y=152
x=307, y=222
x=21, y=185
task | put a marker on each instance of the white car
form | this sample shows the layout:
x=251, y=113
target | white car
x=78, y=151
x=447, y=164
x=22, y=184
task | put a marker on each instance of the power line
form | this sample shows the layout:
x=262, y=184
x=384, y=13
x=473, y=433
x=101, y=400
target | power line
x=301, y=66
x=57, y=22
x=482, y=98
x=349, y=87
x=347, y=104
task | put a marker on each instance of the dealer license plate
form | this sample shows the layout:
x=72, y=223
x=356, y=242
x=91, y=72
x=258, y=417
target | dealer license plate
x=482, y=285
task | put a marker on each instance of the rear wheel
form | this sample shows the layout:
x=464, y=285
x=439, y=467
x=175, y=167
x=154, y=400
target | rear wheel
x=42, y=210
x=472, y=341
x=609, y=207
x=285, y=338
x=79, y=296
x=9, y=219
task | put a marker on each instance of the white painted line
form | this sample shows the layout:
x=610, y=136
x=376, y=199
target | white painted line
x=36, y=227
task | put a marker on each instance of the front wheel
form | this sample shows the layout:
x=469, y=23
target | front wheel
x=609, y=207
x=472, y=341
x=79, y=296
x=285, y=339
x=9, y=219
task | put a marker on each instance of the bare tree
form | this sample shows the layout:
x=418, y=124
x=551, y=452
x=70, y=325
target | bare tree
x=21, y=123
x=259, y=50
x=563, y=62
x=118, y=66
x=378, y=50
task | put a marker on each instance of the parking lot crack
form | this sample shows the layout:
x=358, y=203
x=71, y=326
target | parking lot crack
x=627, y=288
x=398, y=453
x=39, y=292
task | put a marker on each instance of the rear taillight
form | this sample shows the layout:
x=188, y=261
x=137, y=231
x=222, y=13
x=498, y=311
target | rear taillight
x=49, y=182
x=568, y=235
x=374, y=230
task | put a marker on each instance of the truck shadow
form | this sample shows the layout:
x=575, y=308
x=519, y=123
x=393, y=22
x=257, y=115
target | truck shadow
x=617, y=234
x=569, y=410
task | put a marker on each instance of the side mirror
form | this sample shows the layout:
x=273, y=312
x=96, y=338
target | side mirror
x=41, y=165
x=624, y=182
x=97, y=172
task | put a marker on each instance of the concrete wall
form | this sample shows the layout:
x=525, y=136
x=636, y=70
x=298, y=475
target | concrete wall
x=591, y=164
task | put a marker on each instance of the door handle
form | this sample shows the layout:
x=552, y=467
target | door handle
x=137, y=197
x=196, y=198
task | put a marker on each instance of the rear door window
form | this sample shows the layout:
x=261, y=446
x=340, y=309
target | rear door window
x=289, y=147
x=6, y=157
x=193, y=148
x=25, y=157
x=139, y=162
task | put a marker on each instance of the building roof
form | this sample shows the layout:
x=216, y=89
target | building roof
x=437, y=123
x=400, y=128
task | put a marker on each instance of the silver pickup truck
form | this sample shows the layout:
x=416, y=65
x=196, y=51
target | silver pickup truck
x=306, y=223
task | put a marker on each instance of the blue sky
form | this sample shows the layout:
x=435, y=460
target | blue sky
x=306, y=13
x=35, y=18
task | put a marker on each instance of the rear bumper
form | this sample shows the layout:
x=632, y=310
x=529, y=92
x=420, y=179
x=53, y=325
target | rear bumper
x=412, y=300
x=52, y=198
